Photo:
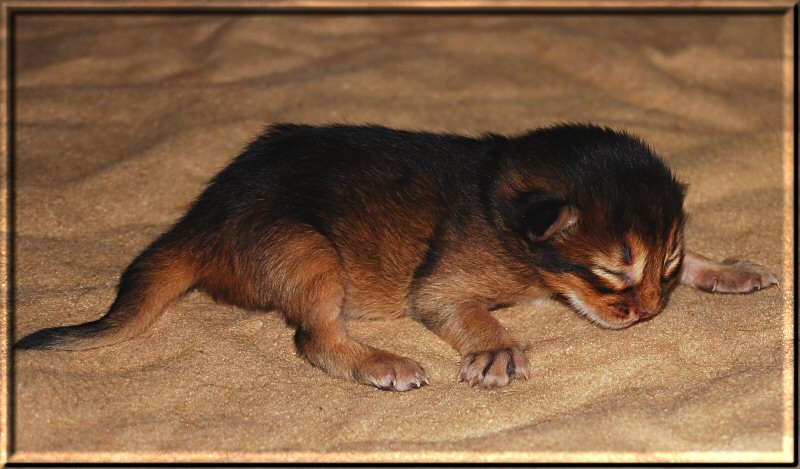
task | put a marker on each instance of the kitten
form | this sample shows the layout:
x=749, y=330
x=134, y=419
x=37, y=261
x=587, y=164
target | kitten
x=337, y=222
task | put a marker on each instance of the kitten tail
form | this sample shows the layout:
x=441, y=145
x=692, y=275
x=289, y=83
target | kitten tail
x=158, y=276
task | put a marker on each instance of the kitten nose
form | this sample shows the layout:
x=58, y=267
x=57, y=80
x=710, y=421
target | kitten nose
x=646, y=304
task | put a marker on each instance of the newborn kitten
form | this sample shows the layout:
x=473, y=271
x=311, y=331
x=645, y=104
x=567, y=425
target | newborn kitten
x=337, y=222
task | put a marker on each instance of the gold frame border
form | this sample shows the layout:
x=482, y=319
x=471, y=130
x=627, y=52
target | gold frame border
x=786, y=456
x=790, y=30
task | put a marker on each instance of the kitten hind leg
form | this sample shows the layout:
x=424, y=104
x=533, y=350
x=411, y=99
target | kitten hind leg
x=327, y=346
x=311, y=295
x=729, y=276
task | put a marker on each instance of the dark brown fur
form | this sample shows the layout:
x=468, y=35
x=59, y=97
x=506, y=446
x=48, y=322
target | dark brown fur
x=338, y=222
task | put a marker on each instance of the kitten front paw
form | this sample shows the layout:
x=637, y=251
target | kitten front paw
x=494, y=368
x=737, y=276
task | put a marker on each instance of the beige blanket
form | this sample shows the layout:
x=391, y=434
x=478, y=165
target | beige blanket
x=122, y=119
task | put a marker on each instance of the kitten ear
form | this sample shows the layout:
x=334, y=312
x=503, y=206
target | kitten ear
x=544, y=218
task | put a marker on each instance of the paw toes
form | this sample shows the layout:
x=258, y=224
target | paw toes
x=472, y=366
x=771, y=280
x=383, y=379
x=522, y=367
x=392, y=373
x=738, y=276
x=495, y=373
x=494, y=368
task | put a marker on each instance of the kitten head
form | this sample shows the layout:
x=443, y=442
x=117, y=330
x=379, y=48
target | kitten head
x=598, y=214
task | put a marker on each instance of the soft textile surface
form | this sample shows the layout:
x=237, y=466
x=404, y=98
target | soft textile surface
x=121, y=119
